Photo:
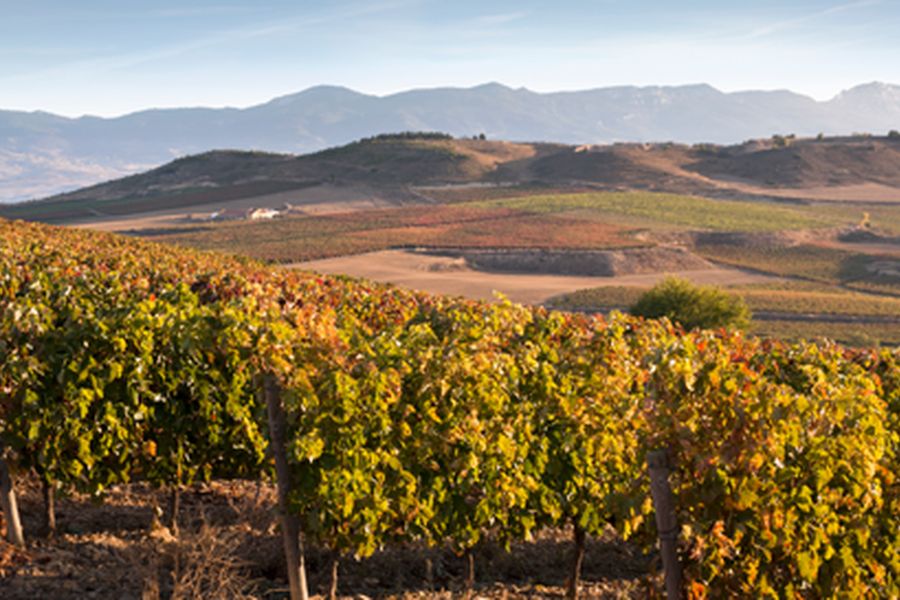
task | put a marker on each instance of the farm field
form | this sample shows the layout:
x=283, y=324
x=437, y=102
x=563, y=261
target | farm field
x=298, y=239
x=724, y=242
x=822, y=263
x=818, y=311
x=719, y=213
x=404, y=428
x=453, y=276
x=668, y=210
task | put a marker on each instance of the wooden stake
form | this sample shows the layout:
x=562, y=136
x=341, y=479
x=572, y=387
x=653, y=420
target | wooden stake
x=470, y=572
x=174, y=507
x=10, y=506
x=666, y=523
x=577, y=560
x=429, y=575
x=333, y=586
x=290, y=524
x=49, y=508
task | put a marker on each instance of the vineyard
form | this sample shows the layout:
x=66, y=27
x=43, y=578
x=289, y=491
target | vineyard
x=390, y=417
x=314, y=237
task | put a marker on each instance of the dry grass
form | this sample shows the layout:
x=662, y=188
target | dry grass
x=207, y=566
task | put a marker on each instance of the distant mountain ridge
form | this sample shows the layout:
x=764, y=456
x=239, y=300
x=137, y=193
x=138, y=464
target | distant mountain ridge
x=42, y=154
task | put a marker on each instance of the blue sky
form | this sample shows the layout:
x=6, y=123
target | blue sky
x=109, y=57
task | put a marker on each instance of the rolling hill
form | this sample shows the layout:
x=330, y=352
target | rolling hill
x=424, y=168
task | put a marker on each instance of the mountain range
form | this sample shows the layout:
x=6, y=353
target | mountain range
x=43, y=154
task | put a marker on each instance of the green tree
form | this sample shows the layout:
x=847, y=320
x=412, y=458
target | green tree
x=693, y=306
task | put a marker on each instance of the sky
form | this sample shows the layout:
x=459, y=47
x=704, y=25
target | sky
x=111, y=57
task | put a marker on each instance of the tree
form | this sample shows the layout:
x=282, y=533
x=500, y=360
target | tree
x=692, y=306
x=893, y=134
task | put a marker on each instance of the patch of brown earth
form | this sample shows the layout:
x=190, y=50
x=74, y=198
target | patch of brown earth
x=596, y=263
x=430, y=273
x=228, y=545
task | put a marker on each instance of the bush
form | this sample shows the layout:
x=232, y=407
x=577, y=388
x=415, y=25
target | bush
x=893, y=134
x=783, y=141
x=408, y=135
x=693, y=306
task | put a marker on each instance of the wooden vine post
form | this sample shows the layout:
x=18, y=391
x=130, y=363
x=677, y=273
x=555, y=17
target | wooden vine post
x=290, y=524
x=10, y=506
x=666, y=523
x=49, y=508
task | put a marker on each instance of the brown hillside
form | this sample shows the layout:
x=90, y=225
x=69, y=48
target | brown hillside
x=751, y=168
x=806, y=163
x=386, y=164
x=388, y=168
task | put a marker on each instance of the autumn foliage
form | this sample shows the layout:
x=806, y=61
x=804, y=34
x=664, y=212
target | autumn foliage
x=418, y=418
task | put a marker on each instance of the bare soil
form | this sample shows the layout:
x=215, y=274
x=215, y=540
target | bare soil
x=453, y=276
x=227, y=545
x=316, y=200
x=603, y=263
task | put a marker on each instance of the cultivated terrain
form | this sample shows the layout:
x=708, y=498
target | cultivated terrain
x=807, y=230
x=154, y=399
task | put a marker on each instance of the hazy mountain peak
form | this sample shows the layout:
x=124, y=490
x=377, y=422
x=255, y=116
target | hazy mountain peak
x=874, y=89
x=492, y=86
x=317, y=92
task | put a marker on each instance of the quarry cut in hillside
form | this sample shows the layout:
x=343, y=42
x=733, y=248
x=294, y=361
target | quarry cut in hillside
x=593, y=263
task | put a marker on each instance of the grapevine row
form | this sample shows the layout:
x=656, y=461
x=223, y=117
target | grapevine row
x=413, y=418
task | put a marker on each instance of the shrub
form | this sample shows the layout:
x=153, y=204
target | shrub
x=693, y=306
x=783, y=141
x=408, y=135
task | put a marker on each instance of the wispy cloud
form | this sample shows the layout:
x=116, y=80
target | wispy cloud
x=199, y=11
x=500, y=18
x=227, y=37
x=778, y=26
x=850, y=6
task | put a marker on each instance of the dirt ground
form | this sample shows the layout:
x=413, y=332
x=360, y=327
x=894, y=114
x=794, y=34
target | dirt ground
x=227, y=545
x=451, y=276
